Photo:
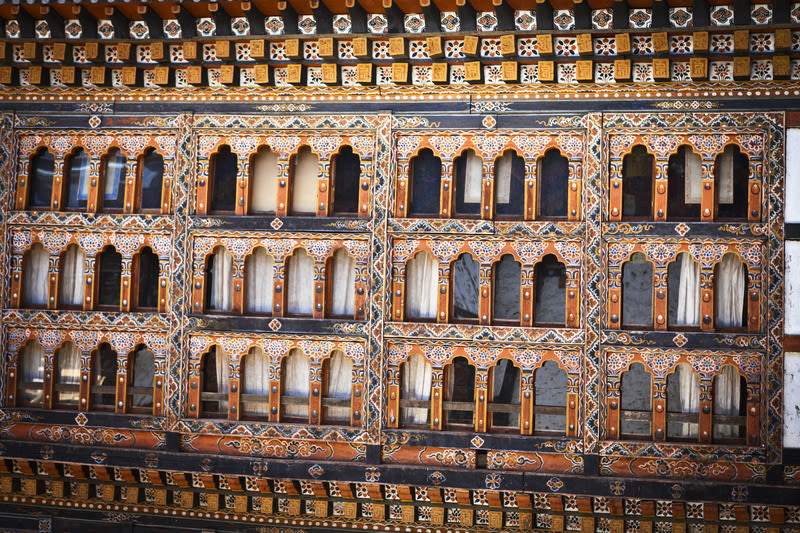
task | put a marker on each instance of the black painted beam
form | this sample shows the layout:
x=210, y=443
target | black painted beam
x=54, y=21
x=120, y=22
x=26, y=22
x=583, y=15
x=188, y=22
x=358, y=18
x=222, y=20
x=153, y=21
x=89, y=24
x=544, y=16
x=621, y=15
x=323, y=16
x=780, y=12
x=505, y=15
x=700, y=13
x=289, y=17
x=741, y=12
x=395, y=18
x=255, y=17
x=467, y=17
x=660, y=14
x=433, y=18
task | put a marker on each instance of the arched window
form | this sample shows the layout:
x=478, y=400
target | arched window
x=305, y=171
x=35, y=266
x=140, y=385
x=637, y=292
x=551, y=298
x=258, y=274
x=415, y=390
x=264, y=182
x=337, y=373
x=111, y=196
x=504, y=407
x=683, y=292
x=104, y=374
x=296, y=376
x=683, y=403
x=68, y=376
x=550, y=399
x=469, y=171
x=147, y=269
x=219, y=280
x=424, y=187
x=459, y=394
x=215, y=373
x=685, y=185
x=731, y=173
x=109, y=277
x=75, y=190
x=730, y=402
x=40, y=179
x=553, y=170
x=637, y=184
x=730, y=289
x=300, y=283
x=71, y=273
x=346, y=175
x=255, y=384
x=636, y=393
x=223, y=169
x=465, y=274
x=422, y=281
x=30, y=372
x=342, y=284
x=509, y=185
x=507, y=282
x=151, y=181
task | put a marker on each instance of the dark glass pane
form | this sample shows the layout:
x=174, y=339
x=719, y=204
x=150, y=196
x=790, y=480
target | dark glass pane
x=148, y=279
x=152, y=175
x=637, y=292
x=469, y=168
x=553, y=178
x=104, y=372
x=507, y=279
x=684, y=183
x=76, y=186
x=550, y=382
x=510, y=190
x=109, y=267
x=346, y=173
x=735, y=207
x=461, y=388
x=505, y=391
x=209, y=276
x=466, y=278
x=637, y=184
x=426, y=177
x=224, y=169
x=114, y=180
x=635, y=391
x=551, y=300
x=40, y=180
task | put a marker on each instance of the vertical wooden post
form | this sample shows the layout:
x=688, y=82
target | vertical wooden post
x=233, y=396
x=708, y=196
x=47, y=381
x=754, y=193
x=530, y=189
x=481, y=400
x=485, y=302
x=660, y=298
x=129, y=201
x=614, y=416
x=242, y=187
x=315, y=402
x=237, y=298
x=58, y=187
x=574, y=210
x=437, y=414
x=659, y=426
x=363, y=189
x=526, y=403
x=279, y=298
x=487, y=195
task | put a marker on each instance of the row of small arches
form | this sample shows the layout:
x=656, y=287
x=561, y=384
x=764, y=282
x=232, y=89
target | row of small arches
x=112, y=179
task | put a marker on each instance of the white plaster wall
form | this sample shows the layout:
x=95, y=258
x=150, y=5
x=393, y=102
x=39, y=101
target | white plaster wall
x=791, y=400
x=792, y=295
x=792, y=213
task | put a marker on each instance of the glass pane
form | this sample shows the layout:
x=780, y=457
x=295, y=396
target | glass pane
x=148, y=279
x=507, y=279
x=509, y=185
x=114, y=180
x=224, y=169
x=637, y=292
x=551, y=299
x=104, y=372
x=346, y=173
x=152, y=175
x=40, y=180
x=426, y=177
x=76, y=186
x=109, y=266
x=637, y=184
x=553, y=178
x=466, y=279
x=469, y=170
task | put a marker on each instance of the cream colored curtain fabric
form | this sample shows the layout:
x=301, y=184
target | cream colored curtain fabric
x=503, y=367
x=72, y=276
x=304, y=183
x=68, y=359
x=255, y=376
x=340, y=381
x=422, y=279
x=727, y=391
x=258, y=274
x=690, y=397
x=143, y=371
x=343, y=291
x=693, y=175
x=297, y=372
x=31, y=371
x=223, y=376
x=222, y=281
x=34, y=276
x=472, y=178
x=729, y=292
x=300, y=271
x=724, y=171
x=688, y=292
x=263, y=195
x=416, y=376
x=502, y=181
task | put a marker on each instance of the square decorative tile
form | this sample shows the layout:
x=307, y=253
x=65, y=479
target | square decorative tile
x=73, y=29
x=512, y=519
x=346, y=50
x=143, y=54
x=243, y=52
x=761, y=69
x=564, y=19
x=605, y=46
x=116, y=77
x=181, y=78
x=681, y=44
x=720, y=71
x=172, y=28
x=240, y=26
x=721, y=15
x=643, y=72
x=761, y=14
x=422, y=75
x=42, y=29
x=48, y=54
x=449, y=21
x=215, y=77
x=486, y=21
x=600, y=505
x=105, y=29
x=640, y=18
x=13, y=29
x=206, y=27
x=491, y=48
x=414, y=23
x=176, y=53
x=794, y=13
x=529, y=73
x=380, y=50
x=493, y=75
x=277, y=51
x=210, y=52
x=18, y=54
x=377, y=23
x=795, y=46
x=454, y=49
x=524, y=20
x=604, y=73
x=721, y=43
x=602, y=19
x=566, y=46
x=311, y=50
x=350, y=76
x=544, y=520
x=527, y=47
x=567, y=73
x=307, y=24
x=680, y=17
x=383, y=75
x=795, y=69
x=418, y=49
x=342, y=24
x=314, y=77
x=138, y=29
x=24, y=77
x=762, y=42
x=573, y=523
x=642, y=45
x=273, y=25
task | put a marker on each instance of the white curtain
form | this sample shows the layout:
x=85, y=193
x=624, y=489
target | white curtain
x=222, y=280
x=473, y=171
x=31, y=371
x=258, y=273
x=693, y=177
x=223, y=376
x=724, y=171
x=68, y=359
x=727, y=390
x=72, y=275
x=340, y=381
x=501, y=369
x=729, y=292
x=297, y=372
x=143, y=371
x=304, y=183
x=422, y=280
x=502, y=181
x=255, y=380
x=300, y=271
x=263, y=195
x=34, y=276
x=688, y=292
x=415, y=384
x=690, y=397
x=343, y=291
